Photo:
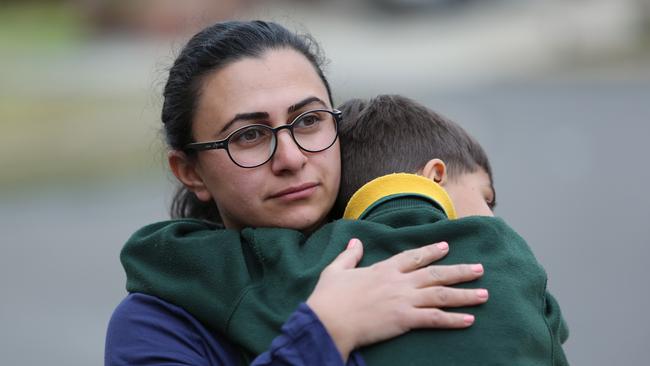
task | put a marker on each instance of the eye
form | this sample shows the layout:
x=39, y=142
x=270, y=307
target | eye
x=489, y=196
x=310, y=120
x=250, y=135
x=491, y=202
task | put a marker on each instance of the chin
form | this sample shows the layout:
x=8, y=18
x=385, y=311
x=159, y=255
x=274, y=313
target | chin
x=303, y=221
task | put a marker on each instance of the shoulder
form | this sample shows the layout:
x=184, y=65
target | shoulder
x=490, y=234
x=176, y=226
x=167, y=238
x=145, y=330
x=488, y=227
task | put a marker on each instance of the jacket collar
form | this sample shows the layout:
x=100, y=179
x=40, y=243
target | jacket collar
x=376, y=191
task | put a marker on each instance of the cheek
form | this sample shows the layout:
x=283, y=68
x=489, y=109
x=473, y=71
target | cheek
x=468, y=202
x=330, y=166
x=229, y=184
x=473, y=204
x=238, y=198
x=238, y=187
x=482, y=209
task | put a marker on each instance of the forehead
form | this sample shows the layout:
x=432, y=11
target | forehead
x=270, y=83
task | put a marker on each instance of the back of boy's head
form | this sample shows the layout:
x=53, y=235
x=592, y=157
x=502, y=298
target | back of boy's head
x=394, y=134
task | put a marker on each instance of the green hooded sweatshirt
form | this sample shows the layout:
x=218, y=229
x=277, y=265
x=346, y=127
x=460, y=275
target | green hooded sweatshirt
x=245, y=284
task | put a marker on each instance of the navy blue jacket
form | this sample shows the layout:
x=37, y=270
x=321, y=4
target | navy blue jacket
x=145, y=330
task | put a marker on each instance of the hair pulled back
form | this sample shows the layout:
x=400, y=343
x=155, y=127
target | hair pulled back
x=206, y=52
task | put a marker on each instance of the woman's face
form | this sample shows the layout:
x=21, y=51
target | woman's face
x=295, y=189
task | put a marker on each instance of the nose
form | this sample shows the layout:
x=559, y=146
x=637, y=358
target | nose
x=288, y=156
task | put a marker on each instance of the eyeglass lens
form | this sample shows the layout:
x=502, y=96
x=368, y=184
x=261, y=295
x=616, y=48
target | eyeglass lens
x=254, y=145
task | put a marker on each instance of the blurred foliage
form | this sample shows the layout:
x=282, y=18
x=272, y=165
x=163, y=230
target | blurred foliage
x=62, y=140
x=59, y=127
x=30, y=24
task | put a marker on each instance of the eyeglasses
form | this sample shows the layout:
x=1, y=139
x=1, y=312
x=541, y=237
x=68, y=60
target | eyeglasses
x=254, y=145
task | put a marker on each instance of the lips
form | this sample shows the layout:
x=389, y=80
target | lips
x=295, y=192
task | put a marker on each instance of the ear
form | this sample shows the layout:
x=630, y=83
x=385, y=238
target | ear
x=436, y=170
x=186, y=172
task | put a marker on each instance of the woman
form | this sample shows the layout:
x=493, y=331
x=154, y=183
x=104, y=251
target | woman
x=230, y=95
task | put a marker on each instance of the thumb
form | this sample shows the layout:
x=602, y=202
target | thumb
x=350, y=257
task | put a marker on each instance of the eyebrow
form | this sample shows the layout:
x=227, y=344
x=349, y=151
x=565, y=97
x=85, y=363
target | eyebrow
x=243, y=117
x=261, y=115
x=305, y=102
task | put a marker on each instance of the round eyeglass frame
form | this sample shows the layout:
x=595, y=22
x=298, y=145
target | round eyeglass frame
x=223, y=144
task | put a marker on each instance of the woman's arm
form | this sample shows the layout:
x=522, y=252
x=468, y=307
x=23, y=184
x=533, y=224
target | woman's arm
x=145, y=330
x=304, y=341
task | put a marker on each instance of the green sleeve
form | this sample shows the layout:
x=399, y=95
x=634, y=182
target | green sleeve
x=185, y=262
x=557, y=327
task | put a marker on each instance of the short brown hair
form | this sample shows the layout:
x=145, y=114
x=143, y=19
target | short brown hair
x=394, y=134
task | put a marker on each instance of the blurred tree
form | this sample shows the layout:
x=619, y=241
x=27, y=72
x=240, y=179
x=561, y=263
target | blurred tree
x=417, y=5
x=158, y=17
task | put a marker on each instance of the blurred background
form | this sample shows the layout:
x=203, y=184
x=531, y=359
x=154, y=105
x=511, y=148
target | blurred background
x=557, y=91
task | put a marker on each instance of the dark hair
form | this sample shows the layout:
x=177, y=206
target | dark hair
x=394, y=134
x=208, y=51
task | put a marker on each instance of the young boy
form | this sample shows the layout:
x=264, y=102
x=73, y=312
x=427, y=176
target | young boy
x=272, y=270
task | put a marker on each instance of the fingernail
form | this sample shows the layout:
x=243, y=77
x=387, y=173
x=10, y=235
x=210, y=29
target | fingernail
x=443, y=246
x=482, y=294
x=468, y=319
x=478, y=268
x=353, y=242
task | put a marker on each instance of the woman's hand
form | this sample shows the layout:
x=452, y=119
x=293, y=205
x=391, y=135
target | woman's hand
x=361, y=306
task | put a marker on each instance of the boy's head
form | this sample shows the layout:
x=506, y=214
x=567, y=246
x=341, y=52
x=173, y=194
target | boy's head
x=393, y=134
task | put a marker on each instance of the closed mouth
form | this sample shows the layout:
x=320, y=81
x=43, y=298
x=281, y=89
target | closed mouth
x=299, y=190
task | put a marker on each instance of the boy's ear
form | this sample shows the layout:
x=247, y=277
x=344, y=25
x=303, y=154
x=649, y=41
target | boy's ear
x=186, y=171
x=436, y=170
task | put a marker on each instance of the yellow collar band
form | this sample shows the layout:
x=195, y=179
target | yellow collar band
x=394, y=184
